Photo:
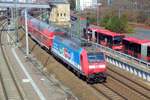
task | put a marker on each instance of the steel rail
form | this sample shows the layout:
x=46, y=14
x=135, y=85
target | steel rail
x=129, y=85
x=9, y=69
x=1, y=78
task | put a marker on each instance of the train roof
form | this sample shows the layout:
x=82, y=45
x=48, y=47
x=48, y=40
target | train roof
x=71, y=42
x=76, y=43
x=136, y=40
x=105, y=31
x=42, y=25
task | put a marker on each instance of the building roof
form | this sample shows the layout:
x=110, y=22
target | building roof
x=136, y=40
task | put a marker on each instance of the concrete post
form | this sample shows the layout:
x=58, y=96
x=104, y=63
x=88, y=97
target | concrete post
x=26, y=30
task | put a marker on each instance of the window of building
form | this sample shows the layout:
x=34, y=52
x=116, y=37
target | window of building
x=57, y=14
x=64, y=14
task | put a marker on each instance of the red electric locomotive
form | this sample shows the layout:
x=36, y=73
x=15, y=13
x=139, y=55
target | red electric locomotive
x=85, y=60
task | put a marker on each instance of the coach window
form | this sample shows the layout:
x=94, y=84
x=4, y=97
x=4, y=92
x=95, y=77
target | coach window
x=109, y=40
x=131, y=46
x=101, y=37
x=137, y=48
x=96, y=37
x=117, y=40
x=127, y=44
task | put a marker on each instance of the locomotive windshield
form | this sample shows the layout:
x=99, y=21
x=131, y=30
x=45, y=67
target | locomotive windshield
x=95, y=57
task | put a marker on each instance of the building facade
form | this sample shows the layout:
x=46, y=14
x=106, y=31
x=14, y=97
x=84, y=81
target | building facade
x=60, y=13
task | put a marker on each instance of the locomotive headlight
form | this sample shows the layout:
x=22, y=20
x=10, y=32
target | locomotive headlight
x=97, y=66
x=101, y=66
x=92, y=66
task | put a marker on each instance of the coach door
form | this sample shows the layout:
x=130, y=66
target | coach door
x=97, y=37
x=93, y=36
x=137, y=50
x=148, y=53
x=145, y=50
x=89, y=35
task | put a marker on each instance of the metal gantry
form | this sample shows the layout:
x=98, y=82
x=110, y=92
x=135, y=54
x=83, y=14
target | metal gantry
x=15, y=6
x=22, y=5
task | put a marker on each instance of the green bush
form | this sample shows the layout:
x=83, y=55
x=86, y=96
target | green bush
x=104, y=21
x=116, y=24
x=129, y=29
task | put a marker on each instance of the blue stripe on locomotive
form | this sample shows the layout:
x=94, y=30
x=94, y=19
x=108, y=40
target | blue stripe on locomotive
x=67, y=50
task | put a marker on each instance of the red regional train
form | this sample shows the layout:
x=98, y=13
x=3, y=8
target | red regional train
x=137, y=48
x=76, y=54
x=105, y=37
x=129, y=45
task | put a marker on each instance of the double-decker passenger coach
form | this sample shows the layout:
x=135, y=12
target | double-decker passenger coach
x=41, y=32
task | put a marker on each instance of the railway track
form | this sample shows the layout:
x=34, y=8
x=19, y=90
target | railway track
x=122, y=87
x=3, y=87
x=117, y=88
x=11, y=90
x=1, y=78
x=109, y=93
x=129, y=83
x=113, y=89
